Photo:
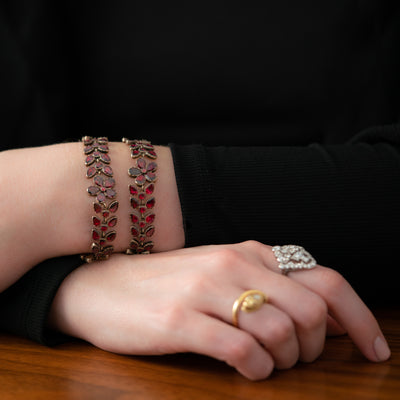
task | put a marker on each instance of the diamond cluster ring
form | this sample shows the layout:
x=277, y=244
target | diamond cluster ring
x=293, y=258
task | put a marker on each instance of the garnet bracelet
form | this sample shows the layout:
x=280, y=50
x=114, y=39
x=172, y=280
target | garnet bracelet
x=141, y=195
x=97, y=162
x=142, y=201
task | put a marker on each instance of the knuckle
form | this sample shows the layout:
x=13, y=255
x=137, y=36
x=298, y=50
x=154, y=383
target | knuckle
x=197, y=286
x=282, y=330
x=225, y=259
x=315, y=314
x=238, y=350
x=256, y=248
x=333, y=282
x=253, y=245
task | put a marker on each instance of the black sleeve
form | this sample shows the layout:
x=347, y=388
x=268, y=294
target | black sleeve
x=340, y=202
x=25, y=305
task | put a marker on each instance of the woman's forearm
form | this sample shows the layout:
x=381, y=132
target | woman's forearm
x=47, y=211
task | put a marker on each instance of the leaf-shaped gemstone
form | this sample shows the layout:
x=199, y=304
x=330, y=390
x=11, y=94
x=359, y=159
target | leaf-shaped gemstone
x=111, y=193
x=103, y=148
x=105, y=158
x=99, y=165
x=151, y=202
x=146, y=144
x=141, y=163
x=152, y=166
x=107, y=171
x=140, y=180
x=102, y=140
x=111, y=236
x=148, y=246
x=88, y=149
x=133, y=190
x=113, y=206
x=91, y=172
x=93, y=190
x=134, y=218
x=134, y=231
x=134, y=244
x=112, y=222
x=151, y=154
x=98, y=180
x=135, y=153
x=151, y=176
x=108, y=250
x=109, y=182
x=134, y=203
x=95, y=234
x=97, y=207
x=149, y=231
x=89, y=159
x=133, y=172
x=101, y=198
x=150, y=218
x=150, y=188
x=96, y=221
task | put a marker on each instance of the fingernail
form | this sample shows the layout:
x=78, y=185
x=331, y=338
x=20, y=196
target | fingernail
x=382, y=350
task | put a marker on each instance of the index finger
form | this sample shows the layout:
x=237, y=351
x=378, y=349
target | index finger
x=346, y=307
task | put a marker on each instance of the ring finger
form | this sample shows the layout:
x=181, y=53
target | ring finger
x=270, y=326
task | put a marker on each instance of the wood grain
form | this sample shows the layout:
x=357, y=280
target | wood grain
x=79, y=371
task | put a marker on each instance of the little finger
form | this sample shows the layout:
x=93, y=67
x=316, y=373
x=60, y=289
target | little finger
x=239, y=349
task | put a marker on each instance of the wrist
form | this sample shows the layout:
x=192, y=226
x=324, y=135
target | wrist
x=169, y=233
x=49, y=212
x=73, y=218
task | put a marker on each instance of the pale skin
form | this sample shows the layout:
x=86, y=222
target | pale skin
x=47, y=188
x=173, y=300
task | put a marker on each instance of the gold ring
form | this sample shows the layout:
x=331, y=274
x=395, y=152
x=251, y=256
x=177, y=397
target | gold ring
x=248, y=301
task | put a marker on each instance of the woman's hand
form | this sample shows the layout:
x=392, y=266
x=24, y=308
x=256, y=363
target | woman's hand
x=181, y=301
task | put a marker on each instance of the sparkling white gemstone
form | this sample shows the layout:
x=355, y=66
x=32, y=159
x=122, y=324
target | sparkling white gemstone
x=292, y=257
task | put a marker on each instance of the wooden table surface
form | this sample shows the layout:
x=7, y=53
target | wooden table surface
x=79, y=371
